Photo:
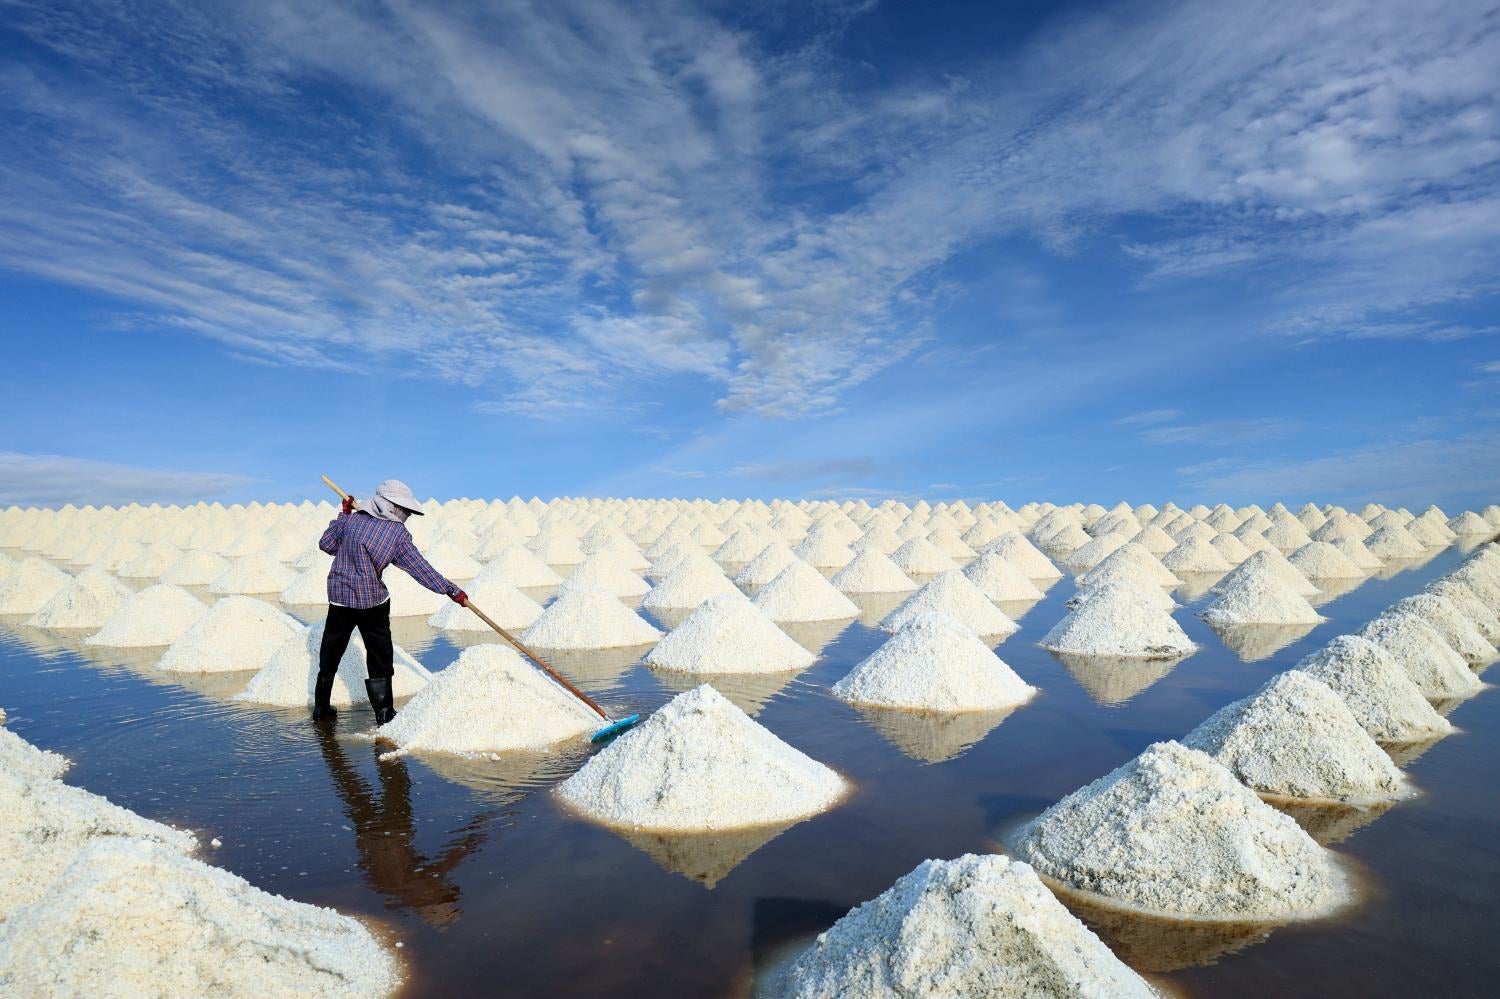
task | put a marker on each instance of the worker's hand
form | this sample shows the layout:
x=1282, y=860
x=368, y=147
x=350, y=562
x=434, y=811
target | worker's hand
x=348, y=504
x=461, y=598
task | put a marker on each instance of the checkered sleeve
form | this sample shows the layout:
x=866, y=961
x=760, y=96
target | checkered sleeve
x=409, y=559
x=335, y=533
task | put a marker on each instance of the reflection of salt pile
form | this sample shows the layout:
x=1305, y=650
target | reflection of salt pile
x=1113, y=679
x=934, y=663
x=1256, y=596
x=237, y=633
x=1456, y=628
x=1120, y=620
x=30, y=585
x=88, y=600
x=1377, y=691
x=585, y=618
x=136, y=918
x=501, y=602
x=872, y=571
x=801, y=593
x=257, y=573
x=728, y=634
x=1438, y=671
x=157, y=615
x=659, y=776
x=975, y=926
x=953, y=596
x=288, y=677
x=1296, y=738
x=489, y=700
x=1173, y=833
x=999, y=580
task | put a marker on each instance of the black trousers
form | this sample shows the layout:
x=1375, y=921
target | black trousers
x=374, y=626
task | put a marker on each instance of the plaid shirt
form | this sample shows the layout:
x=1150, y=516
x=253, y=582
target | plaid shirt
x=362, y=546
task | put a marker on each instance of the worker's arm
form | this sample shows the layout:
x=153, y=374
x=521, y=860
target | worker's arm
x=329, y=542
x=411, y=561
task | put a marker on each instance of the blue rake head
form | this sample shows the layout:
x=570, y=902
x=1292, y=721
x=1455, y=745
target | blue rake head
x=614, y=728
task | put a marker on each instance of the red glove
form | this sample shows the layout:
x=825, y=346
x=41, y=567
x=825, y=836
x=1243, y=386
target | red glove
x=348, y=504
x=461, y=598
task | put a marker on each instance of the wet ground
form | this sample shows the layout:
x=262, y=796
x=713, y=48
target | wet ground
x=491, y=889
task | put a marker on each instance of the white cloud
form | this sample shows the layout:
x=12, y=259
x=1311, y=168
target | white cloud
x=53, y=479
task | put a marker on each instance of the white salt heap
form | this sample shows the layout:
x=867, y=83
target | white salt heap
x=1095, y=551
x=975, y=926
x=1457, y=630
x=257, y=573
x=1194, y=555
x=1024, y=555
x=728, y=634
x=1295, y=737
x=152, y=562
x=450, y=560
x=30, y=585
x=88, y=600
x=1125, y=573
x=766, y=566
x=801, y=593
x=1321, y=560
x=1119, y=619
x=133, y=918
x=603, y=571
x=237, y=633
x=521, y=568
x=824, y=549
x=1257, y=596
x=952, y=595
x=585, y=618
x=1140, y=563
x=196, y=568
x=693, y=581
x=872, y=571
x=934, y=663
x=1438, y=671
x=157, y=615
x=1470, y=524
x=489, y=700
x=999, y=580
x=410, y=598
x=1376, y=690
x=1393, y=542
x=700, y=764
x=1469, y=604
x=19, y=758
x=501, y=602
x=918, y=556
x=309, y=588
x=1268, y=562
x=1173, y=833
x=288, y=677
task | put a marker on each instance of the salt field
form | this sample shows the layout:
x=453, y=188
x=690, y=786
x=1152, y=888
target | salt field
x=1316, y=727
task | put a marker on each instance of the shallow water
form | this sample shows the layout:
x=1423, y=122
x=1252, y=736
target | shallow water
x=492, y=889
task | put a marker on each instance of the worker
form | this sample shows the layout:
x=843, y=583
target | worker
x=363, y=542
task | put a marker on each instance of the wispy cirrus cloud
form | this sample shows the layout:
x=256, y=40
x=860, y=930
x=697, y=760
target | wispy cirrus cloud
x=54, y=479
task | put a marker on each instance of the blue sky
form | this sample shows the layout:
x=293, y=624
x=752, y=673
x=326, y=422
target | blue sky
x=1140, y=251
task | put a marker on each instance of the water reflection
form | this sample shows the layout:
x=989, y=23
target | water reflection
x=932, y=736
x=706, y=857
x=750, y=692
x=1113, y=680
x=1196, y=584
x=385, y=836
x=1254, y=642
x=1155, y=944
x=1329, y=823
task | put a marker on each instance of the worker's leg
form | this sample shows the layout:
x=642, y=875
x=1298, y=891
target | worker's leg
x=336, y=631
x=375, y=629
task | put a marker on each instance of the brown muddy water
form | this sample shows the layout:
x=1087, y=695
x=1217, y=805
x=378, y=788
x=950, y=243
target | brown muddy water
x=492, y=890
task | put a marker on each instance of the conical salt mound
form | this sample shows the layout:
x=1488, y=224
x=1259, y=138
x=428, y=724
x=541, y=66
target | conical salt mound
x=237, y=633
x=1137, y=561
x=766, y=566
x=1119, y=620
x=934, y=663
x=585, y=618
x=520, y=567
x=152, y=562
x=918, y=556
x=157, y=615
x=952, y=595
x=1269, y=562
x=288, y=677
x=452, y=561
x=975, y=926
x=257, y=573
x=1321, y=560
x=1296, y=738
x=1470, y=605
x=1457, y=630
x=1173, y=833
x=728, y=634
x=994, y=576
x=1024, y=555
x=196, y=568
x=30, y=585
x=410, y=598
x=801, y=593
x=872, y=571
x=131, y=917
x=693, y=581
x=1195, y=555
x=1377, y=691
x=1393, y=543
x=1154, y=540
x=489, y=701
x=309, y=588
x=1095, y=551
x=743, y=545
x=699, y=764
x=602, y=571
x=88, y=600
x=20, y=759
x=1470, y=524
x=824, y=549
x=1438, y=671
x=503, y=603
x=1258, y=597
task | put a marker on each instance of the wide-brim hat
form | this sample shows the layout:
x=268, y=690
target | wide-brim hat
x=400, y=493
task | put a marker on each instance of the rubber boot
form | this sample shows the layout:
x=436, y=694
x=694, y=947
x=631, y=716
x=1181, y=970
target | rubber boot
x=322, y=694
x=379, y=689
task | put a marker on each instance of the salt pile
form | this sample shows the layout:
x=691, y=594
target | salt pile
x=258, y=573
x=728, y=634
x=1296, y=738
x=1469, y=604
x=743, y=545
x=1142, y=565
x=196, y=568
x=1174, y=834
x=1256, y=596
x=602, y=571
x=1122, y=573
x=1321, y=560
x=157, y=615
x=30, y=585
x=975, y=926
x=89, y=599
x=1095, y=551
x=309, y=588
x=1470, y=524
x=1376, y=690
x=952, y=595
x=1394, y=543
x=872, y=571
x=1455, y=627
x=1194, y=555
x=1268, y=562
x=824, y=549
x=152, y=562
x=410, y=598
x=918, y=556
x=288, y=677
x=1438, y=671
x=800, y=593
x=585, y=618
x=693, y=581
x=994, y=576
x=237, y=633
x=766, y=566
x=135, y=918
x=1119, y=620
x=501, y=602
x=934, y=663
x=521, y=568
x=1154, y=540
x=1355, y=551
x=1232, y=549
x=20, y=759
x=489, y=701
x=450, y=560
x=1024, y=556
x=700, y=763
